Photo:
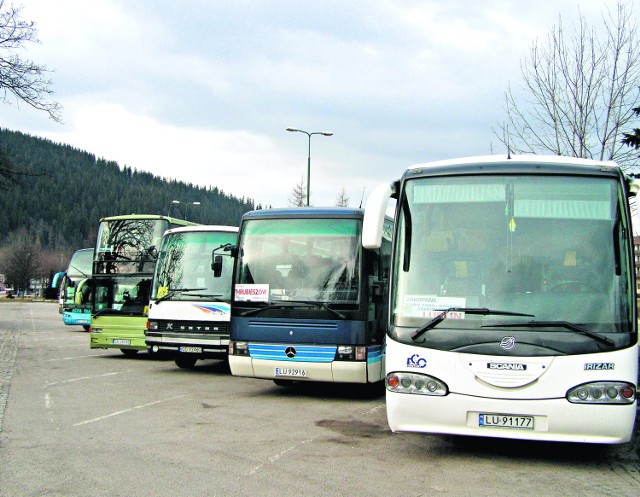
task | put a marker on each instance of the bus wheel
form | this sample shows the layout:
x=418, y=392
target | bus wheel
x=129, y=352
x=86, y=327
x=185, y=361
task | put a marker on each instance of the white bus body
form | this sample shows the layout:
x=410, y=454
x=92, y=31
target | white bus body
x=512, y=300
x=190, y=308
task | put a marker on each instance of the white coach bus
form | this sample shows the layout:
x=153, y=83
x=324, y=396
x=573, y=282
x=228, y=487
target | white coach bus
x=512, y=301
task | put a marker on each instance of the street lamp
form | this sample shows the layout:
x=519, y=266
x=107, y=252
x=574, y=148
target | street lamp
x=187, y=204
x=323, y=133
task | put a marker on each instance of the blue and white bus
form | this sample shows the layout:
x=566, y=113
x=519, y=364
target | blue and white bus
x=309, y=303
x=74, y=289
x=512, y=299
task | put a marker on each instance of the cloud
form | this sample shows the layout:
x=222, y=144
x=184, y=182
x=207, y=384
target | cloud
x=202, y=90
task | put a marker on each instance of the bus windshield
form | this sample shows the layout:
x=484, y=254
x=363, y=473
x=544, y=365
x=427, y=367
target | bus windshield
x=123, y=295
x=80, y=264
x=128, y=245
x=184, y=270
x=79, y=269
x=300, y=259
x=552, y=250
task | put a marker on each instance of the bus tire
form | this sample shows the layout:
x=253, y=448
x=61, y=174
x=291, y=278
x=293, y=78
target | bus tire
x=185, y=361
x=129, y=352
x=86, y=327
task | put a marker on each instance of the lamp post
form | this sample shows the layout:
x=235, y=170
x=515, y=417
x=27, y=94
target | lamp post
x=187, y=204
x=323, y=133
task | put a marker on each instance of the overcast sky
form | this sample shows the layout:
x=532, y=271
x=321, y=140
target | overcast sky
x=203, y=90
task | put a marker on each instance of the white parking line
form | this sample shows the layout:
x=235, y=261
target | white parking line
x=100, y=418
x=73, y=357
x=89, y=377
x=277, y=456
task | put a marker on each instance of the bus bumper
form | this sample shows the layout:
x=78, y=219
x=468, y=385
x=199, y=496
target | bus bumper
x=553, y=419
x=76, y=319
x=101, y=341
x=335, y=371
x=203, y=346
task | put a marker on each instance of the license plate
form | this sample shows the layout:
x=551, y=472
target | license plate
x=300, y=373
x=121, y=341
x=505, y=421
x=192, y=350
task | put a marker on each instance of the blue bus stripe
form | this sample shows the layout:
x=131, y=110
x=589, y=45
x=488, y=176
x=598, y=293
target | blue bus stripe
x=306, y=353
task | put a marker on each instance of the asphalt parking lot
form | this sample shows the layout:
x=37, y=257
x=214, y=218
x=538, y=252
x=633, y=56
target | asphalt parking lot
x=79, y=422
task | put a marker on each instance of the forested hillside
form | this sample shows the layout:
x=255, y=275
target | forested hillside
x=68, y=190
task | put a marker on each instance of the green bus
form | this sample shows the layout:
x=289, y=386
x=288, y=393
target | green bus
x=124, y=261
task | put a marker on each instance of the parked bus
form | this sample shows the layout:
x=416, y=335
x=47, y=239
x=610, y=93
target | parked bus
x=513, y=299
x=123, y=265
x=190, y=308
x=74, y=289
x=309, y=302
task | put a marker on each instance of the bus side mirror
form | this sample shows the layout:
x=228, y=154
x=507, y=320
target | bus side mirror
x=634, y=186
x=216, y=266
x=56, y=279
x=374, y=214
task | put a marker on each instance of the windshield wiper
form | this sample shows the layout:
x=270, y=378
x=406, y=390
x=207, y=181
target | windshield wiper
x=106, y=310
x=213, y=296
x=293, y=303
x=482, y=311
x=172, y=292
x=267, y=305
x=557, y=324
x=80, y=271
x=324, y=305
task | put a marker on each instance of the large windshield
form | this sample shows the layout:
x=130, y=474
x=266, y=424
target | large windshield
x=129, y=245
x=299, y=259
x=122, y=295
x=184, y=263
x=78, y=270
x=554, y=247
x=80, y=264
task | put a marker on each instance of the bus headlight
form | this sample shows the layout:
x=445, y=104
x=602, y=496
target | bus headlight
x=95, y=330
x=238, y=348
x=603, y=392
x=152, y=325
x=420, y=384
x=351, y=353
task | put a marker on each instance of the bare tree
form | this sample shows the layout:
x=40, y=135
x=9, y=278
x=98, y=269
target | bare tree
x=21, y=261
x=579, y=89
x=22, y=78
x=299, y=194
x=343, y=198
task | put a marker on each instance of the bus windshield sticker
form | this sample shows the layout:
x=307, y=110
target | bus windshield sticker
x=252, y=293
x=429, y=306
x=162, y=291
